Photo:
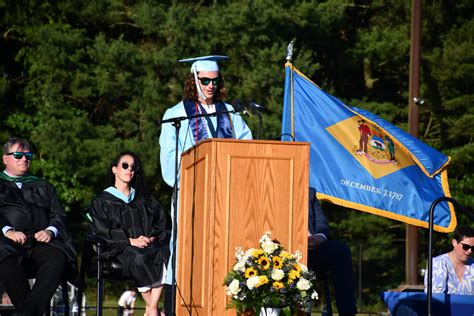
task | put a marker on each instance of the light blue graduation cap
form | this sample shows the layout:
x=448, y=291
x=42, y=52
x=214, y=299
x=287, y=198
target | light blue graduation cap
x=203, y=63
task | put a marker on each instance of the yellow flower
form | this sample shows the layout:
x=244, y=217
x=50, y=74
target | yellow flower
x=286, y=255
x=257, y=253
x=293, y=274
x=278, y=285
x=264, y=262
x=297, y=268
x=263, y=279
x=277, y=262
x=250, y=272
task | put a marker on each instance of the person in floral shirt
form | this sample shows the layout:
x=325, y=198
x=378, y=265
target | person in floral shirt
x=453, y=272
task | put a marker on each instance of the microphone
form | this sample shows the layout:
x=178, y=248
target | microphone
x=257, y=107
x=238, y=106
x=241, y=107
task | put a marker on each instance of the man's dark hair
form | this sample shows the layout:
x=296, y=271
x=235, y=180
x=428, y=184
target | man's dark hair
x=462, y=232
x=190, y=90
x=22, y=144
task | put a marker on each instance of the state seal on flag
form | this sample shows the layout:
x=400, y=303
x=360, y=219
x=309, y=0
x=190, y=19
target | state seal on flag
x=373, y=148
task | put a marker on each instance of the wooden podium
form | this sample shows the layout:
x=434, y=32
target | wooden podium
x=232, y=192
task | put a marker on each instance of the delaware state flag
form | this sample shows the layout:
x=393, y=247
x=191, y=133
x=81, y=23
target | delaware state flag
x=360, y=161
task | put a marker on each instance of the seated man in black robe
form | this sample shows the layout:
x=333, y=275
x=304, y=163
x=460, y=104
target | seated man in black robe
x=329, y=255
x=33, y=237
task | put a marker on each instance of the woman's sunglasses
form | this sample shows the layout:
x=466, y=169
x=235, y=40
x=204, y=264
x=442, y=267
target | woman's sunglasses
x=466, y=247
x=20, y=154
x=125, y=166
x=215, y=81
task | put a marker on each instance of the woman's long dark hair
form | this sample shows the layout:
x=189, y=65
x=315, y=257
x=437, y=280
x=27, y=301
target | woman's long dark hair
x=138, y=180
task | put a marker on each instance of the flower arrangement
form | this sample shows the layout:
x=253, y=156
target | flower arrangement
x=269, y=276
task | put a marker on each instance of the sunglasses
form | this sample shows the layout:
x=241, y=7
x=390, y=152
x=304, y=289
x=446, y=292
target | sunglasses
x=125, y=166
x=20, y=154
x=205, y=81
x=466, y=247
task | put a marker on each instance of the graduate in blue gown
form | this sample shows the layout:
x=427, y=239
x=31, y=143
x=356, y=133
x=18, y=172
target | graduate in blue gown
x=204, y=92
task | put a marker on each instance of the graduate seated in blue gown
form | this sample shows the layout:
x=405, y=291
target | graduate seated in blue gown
x=133, y=225
x=330, y=255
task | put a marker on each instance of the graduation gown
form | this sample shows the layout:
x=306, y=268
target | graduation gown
x=30, y=209
x=187, y=138
x=116, y=221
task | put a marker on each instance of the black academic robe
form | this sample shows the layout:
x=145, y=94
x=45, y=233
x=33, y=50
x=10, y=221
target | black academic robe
x=30, y=209
x=116, y=221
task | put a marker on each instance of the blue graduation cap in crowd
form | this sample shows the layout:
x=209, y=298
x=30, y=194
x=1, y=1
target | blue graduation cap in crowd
x=203, y=63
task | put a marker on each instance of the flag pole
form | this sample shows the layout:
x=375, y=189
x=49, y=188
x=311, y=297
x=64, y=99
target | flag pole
x=289, y=58
x=411, y=247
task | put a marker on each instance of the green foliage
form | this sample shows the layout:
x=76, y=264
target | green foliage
x=83, y=80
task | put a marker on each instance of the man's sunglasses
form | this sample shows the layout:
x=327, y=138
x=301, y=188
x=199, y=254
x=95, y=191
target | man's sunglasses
x=125, y=166
x=466, y=247
x=20, y=154
x=215, y=81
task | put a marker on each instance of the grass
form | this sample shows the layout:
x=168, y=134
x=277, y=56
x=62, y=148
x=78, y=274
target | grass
x=110, y=305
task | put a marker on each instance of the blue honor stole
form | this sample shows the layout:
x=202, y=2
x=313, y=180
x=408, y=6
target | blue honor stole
x=199, y=125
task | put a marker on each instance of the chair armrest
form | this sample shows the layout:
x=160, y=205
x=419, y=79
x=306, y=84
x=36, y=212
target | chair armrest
x=96, y=244
x=96, y=240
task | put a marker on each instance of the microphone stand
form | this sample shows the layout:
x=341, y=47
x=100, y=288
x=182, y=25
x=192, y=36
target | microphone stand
x=176, y=121
x=429, y=288
x=260, y=124
x=256, y=111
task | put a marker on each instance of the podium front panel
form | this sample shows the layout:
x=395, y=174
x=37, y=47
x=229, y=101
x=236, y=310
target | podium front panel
x=232, y=192
x=193, y=243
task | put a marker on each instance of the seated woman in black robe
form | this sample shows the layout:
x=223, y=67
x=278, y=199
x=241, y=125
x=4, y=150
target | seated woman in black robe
x=133, y=225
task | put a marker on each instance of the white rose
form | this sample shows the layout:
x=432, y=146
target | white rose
x=278, y=274
x=269, y=246
x=265, y=237
x=233, y=288
x=304, y=268
x=303, y=284
x=249, y=252
x=239, y=253
x=252, y=282
x=314, y=295
x=239, y=266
